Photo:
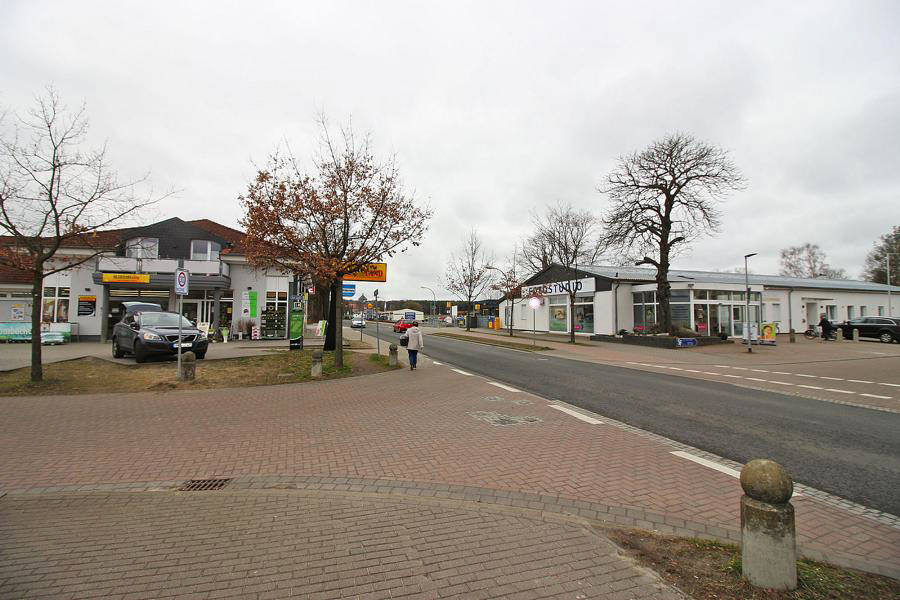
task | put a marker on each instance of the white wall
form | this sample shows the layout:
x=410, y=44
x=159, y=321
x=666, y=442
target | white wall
x=841, y=300
x=603, y=313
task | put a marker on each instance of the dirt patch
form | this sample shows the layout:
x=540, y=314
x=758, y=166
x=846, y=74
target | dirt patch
x=492, y=342
x=707, y=570
x=93, y=375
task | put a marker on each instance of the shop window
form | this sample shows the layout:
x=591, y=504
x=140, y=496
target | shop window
x=205, y=250
x=862, y=311
x=701, y=319
x=738, y=296
x=880, y=311
x=680, y=296
x=55, y=308
x=851, y=312
x=681, y=315
x=637, y=298
x=774, y=311
x=701, y=295
x=584, y=318
x=719, y=295
x=755, y=296
x=559, y=318
x=142, y=248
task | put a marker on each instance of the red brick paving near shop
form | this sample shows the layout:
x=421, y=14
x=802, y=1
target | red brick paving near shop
x=398, y=426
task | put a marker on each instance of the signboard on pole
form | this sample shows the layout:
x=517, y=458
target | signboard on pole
x=181, y=282
x=370, y=272
x=348, y=290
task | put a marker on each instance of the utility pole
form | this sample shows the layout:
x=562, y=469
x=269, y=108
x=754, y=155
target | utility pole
x=888, y=273
x=747, y=300
x=377, y=320
x=433, y=300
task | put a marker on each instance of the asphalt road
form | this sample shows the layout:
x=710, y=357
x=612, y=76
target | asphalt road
x=848, y=451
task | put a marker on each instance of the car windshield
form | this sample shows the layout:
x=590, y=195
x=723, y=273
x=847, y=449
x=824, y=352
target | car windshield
x=163, y=319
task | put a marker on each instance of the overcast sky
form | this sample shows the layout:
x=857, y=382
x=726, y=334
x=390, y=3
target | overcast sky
x=493, y=109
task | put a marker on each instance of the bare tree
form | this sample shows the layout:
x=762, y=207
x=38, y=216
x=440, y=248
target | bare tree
x=808, y=261
x=536, y=254
x=572, y=238
x=468, y=273
x=55, y=194
x=662, y=199
x=509, y=282
x=875, y=268
x=352, y=212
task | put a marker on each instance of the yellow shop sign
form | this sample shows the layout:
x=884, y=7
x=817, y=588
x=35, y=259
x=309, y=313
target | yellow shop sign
x=126, y=278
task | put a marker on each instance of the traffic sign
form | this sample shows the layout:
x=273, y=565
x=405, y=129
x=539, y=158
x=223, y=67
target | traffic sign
x=348, y=290
x=181, y=282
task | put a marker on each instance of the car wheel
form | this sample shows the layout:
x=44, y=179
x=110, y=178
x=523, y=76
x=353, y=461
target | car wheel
x=886, y=336
x=116, y=349
x=140, y=355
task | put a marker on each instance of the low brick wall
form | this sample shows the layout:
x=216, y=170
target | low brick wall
x=655, y=341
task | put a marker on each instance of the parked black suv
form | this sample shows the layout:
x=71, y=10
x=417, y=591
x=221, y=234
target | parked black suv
x=152, y=332
x=886, y=329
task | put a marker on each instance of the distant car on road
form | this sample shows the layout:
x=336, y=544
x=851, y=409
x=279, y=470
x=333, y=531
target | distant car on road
x=402, y=325
x=155, y=333
x=886, y=329
x=357, y=323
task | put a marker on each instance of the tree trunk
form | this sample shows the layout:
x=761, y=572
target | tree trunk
x=664, y=292
x=512, y=312
x=37, y=310
x=571, y=318
x=332, y=320
x=339, y=329
x=469, y=315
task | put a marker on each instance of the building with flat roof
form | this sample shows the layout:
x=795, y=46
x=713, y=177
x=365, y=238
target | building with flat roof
x=610, y=299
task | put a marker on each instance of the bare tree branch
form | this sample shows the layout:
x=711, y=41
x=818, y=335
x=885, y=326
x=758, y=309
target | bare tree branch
x=468, y=272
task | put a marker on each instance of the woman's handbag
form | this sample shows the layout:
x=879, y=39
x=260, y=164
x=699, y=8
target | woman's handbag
x=404, y=340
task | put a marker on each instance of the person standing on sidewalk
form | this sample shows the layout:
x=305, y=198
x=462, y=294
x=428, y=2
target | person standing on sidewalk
x=825, y=324
x=416, y=343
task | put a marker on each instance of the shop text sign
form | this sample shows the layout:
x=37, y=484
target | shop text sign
x=87, y=306
x=559, y=287
x=125, y=278
x=370, y=272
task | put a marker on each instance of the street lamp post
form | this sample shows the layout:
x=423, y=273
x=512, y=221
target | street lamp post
x=747, y=300
x=534, y=302
x=887, y=273
x=433, y=300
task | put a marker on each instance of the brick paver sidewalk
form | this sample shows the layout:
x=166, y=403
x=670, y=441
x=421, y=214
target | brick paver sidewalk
x=277, y=544
x=395, y=433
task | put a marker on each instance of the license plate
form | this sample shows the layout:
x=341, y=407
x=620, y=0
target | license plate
x=183, y=345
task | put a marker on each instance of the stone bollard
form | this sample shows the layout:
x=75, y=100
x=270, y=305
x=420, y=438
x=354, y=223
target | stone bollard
x=188, y=367
x=315, y=369
x=839, y=335
x=793, y=337
x=392, y=355
x=856, y=335
x=768, y=541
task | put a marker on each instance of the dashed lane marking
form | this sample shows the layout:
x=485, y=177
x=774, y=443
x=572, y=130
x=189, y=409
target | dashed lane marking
x=876, y=396
x=805, y=375
x=781, y=373
x=732, y=376
x=830, y=378
x=692, y=371
x=708, y=463
x=755, y=379
x=891, y=384
x=839, y=391
x=576, y=414
x=810, y=387
x=759, y=370
x=504, y=387
x=859, y=381
x=462, y=372
x=780, y=382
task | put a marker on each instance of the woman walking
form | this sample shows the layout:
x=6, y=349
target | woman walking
x=416, y=343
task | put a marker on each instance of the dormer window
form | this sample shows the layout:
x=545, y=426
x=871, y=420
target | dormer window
x=204, y=250
x=142, y=247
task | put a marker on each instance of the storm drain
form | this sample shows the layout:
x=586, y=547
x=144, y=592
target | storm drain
x=499, y=419
x=203, y=485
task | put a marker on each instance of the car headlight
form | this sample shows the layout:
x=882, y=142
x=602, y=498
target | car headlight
x=148, y=335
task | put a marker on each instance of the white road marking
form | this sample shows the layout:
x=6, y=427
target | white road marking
x=693, y=371
x=462, y=372
x=759, y=370
x=676, y=369
x=891, y=384
x=810, y=387
x=505, y=387
x=576, y=414
x=739, y=368
x=838, y=391
x=781, y=383
x=859, y=381
x=437, y=363
x=804, y=375
x=781, y=373
x=876, y=396
x=708, y=463
x=831, y=378
x=755, y=379
x=722, y=366
x=713, y=465
x=732, y=376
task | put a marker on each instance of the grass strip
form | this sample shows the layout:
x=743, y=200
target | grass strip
x=492, y=342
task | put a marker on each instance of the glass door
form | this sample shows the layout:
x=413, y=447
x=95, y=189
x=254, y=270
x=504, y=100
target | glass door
x=190, y=310
x=738, y=312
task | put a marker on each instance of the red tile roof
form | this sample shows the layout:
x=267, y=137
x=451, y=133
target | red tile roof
x=11, y=275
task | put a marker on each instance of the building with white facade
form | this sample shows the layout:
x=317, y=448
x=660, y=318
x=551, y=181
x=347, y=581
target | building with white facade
x=138, y=264
x=610, y=299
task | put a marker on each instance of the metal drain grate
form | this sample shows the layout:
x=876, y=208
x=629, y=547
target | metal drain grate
x=203, y=485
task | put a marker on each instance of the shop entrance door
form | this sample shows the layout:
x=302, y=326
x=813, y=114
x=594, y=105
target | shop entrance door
x=812, y=317
x=190, y=310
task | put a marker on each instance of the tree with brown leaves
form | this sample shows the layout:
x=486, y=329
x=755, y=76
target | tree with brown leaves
x=351, y=211
x=54, y=194
x=663, y=198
